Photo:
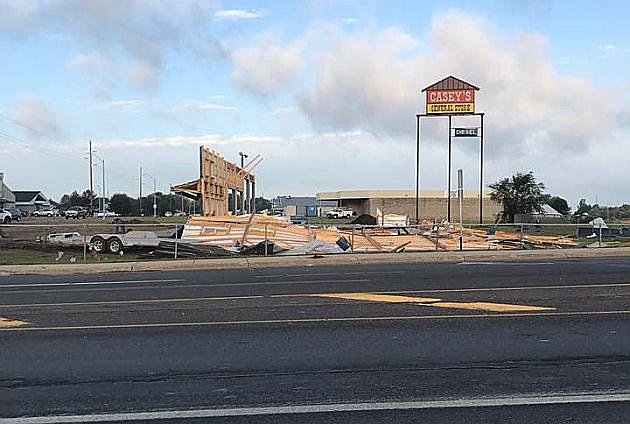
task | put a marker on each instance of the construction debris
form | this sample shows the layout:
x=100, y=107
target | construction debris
x=247, y=233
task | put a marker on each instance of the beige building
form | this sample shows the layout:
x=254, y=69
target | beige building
x=433, y=204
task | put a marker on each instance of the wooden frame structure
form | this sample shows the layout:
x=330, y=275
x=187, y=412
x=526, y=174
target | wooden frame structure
x=223, y=188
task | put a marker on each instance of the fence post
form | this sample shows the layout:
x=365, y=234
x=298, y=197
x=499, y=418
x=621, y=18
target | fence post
x=266, y=239
x=175, y=241
x=84, y=244
x=522, y=236
x=600, y=236
x=352, y=240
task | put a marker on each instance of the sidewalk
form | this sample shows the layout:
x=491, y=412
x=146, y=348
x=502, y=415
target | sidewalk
x=287, y=261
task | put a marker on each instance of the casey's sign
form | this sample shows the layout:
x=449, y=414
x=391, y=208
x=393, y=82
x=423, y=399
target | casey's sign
x=450, y=101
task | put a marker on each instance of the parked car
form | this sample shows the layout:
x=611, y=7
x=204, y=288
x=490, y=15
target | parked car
x=339, y=213
x=5, y=217
x=106, y=214
x=76, y=212
x=168, y=214
x=46, y=212
x=16, y=214
x=179, y=213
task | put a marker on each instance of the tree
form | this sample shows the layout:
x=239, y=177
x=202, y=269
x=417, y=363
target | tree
x=583, y=207
x=520, y=193
x=559, y=204
x=123, y=204
x=261, y=204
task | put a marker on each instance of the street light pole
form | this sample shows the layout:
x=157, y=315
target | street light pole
x=154, y=191
x=103, y=188
x=243, y=156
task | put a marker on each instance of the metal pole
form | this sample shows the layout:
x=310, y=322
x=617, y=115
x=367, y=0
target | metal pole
x=140, y=196
x=84, y=244
x=175, y=241
x=417, y=169
x=103, y=207
x=460, y=192
x=448, y=211
x=266, y=239
x=481, y=175
x=352, y=240
x=154, y=198
x=91, y=182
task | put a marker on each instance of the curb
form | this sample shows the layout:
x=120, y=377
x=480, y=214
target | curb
x=308, y=261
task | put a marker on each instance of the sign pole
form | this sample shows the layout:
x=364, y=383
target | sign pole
x=481, y=175
x=417, y=169
x=448, y=209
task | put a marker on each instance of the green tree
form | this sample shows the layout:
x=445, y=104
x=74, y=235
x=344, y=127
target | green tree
x=520, y=193
x=261, y=204
x=123, y=204
x=559, y=204
x=583, y=207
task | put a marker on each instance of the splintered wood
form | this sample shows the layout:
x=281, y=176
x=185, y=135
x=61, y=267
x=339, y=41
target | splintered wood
x=247, y=230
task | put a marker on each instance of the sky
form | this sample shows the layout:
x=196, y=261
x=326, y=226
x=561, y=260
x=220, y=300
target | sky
x=326, y=91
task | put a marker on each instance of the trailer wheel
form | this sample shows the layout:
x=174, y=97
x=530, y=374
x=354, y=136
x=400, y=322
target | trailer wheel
x=114, y=245
x=98, y=244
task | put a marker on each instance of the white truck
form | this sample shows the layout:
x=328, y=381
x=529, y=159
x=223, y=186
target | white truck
x=338, y=213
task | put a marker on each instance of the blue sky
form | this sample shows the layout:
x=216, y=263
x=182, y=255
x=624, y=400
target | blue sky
x=324, y=90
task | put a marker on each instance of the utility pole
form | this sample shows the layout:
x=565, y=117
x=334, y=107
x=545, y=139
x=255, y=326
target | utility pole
x=103, y=188
x=140, y=196
x=154, y=192
x=91, y=182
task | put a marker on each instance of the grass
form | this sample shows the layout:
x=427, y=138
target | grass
x=38, y=256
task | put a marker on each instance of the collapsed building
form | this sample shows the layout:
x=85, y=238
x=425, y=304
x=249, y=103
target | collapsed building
x=223, y=188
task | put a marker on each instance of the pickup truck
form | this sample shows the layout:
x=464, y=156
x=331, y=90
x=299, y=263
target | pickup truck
x=339, y=213
x=76, y=212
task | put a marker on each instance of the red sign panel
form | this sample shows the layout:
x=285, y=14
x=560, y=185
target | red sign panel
x=450, y=96
x=450, y=101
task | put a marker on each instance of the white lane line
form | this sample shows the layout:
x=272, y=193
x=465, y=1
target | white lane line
x=317, y=320
x=329, y=274
x=505, y=263
x=489, y=289
x=88, y=283
x=129, y=302
x=521, y=400
x=207, y=285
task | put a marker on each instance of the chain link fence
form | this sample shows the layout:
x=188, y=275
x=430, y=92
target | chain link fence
x=61, y=241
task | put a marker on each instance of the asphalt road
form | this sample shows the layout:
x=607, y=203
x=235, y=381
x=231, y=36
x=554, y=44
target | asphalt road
x=471, y=342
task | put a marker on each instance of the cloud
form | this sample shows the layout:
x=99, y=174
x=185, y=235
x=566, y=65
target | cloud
x=266, y=69
x=205, y=105
x=35, y=116
x=135, y=36
x=236, y=14
x=371, y=80
x=132, y=105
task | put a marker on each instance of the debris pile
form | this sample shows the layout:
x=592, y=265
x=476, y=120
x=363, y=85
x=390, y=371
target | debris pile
x=248, y=234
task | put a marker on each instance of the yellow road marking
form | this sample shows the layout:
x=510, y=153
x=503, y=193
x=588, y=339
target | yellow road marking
x=11, y=323
x=317, y=320
x=430, y=301
x=492, y=307
x=379, y=297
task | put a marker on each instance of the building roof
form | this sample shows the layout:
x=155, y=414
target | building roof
x=391, y=194
x=299, y=201
x=27, y=196
x=451, y=83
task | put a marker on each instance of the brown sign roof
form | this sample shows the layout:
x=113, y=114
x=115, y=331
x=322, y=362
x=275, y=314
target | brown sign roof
x=451, y=83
